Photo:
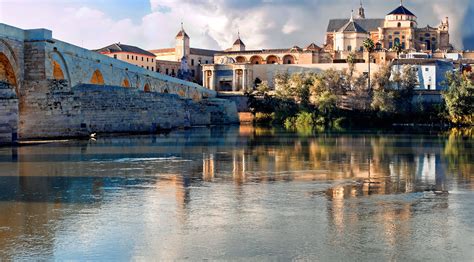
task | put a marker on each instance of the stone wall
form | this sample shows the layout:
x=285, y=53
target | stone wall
x=8, y=114
x=46, y=92
x=89, y=109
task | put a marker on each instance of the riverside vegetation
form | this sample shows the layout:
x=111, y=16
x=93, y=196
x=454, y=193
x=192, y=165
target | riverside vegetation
x=335, y=98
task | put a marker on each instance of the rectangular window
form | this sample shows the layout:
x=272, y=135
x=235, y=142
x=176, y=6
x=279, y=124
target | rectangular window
x=427, y=69
x=128, y=56
x=193, y=73
x=115, y=56
x=147, y=59
x=172, y=72
x=390, y=44
x=147, y=68
x=192, y=62
x=167, y=71
x=207, y=62
x=142, y=58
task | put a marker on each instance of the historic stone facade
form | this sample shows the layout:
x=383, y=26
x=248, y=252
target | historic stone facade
x=46, y=92
x=398, y=27
x=168, y=60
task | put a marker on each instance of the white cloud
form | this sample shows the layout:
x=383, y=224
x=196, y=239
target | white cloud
x=212, y=23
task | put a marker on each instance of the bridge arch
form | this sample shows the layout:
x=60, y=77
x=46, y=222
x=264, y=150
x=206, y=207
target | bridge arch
x=9, y=70
x=147, y=88
x=59, y=69
x=58, y=73
x=126, y=83
x=97, y=78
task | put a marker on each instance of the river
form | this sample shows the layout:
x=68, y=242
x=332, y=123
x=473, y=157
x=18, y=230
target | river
x=240, y=193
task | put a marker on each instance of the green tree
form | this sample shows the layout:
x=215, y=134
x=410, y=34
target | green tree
x=459, y=98
x=383, y=95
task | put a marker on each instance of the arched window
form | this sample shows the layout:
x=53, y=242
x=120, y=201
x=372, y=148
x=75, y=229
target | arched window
x=97, y=78
x=399, y=25
x=397, y=41
x=428, y=44
x=349, y=48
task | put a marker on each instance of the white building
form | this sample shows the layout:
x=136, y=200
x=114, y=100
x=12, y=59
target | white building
x=431, y=72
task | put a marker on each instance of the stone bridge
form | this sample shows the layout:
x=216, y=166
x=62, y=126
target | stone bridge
x=49, y=88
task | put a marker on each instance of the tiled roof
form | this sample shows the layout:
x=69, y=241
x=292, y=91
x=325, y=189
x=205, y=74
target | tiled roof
x=182, y=33
x=118, y=48
x=369, y=25
x=203, y=52
x=312, y=46
x=163, y=50
x=401, y=10
x=239, y=42
x=352, y=26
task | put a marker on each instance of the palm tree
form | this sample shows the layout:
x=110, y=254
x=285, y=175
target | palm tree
x=369, y=47
x=351, y=60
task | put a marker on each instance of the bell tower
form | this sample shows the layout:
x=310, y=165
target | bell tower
x=182, y=48
x=361, y=14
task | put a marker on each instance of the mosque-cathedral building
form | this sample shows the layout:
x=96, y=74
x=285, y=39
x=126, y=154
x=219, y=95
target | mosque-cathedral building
x=238, y=69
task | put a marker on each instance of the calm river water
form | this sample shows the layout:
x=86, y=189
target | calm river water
x=240, y=193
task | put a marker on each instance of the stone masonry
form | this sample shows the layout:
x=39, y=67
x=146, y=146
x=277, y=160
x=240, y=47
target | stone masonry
x=52, y=89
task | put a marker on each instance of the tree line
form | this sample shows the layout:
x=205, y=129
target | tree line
x=339, y=97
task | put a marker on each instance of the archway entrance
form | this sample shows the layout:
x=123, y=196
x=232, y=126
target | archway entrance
x=272, y=60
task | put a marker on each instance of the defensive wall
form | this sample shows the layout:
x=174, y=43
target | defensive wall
x=49, y=88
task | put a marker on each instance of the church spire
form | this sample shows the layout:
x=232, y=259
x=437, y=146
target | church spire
x=361, y=14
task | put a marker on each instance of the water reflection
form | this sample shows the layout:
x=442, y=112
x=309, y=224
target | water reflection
x=224, y=184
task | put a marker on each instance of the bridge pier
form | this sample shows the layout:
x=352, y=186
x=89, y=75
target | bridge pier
x=8, y=114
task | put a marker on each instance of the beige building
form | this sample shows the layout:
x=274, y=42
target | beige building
x=238, y=69
x=131, y=54
x=398, y=27
x=168, y=60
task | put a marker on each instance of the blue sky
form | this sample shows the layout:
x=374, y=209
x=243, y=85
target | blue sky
x=214, y=23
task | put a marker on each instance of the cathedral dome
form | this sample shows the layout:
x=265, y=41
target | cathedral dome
x=401, y=10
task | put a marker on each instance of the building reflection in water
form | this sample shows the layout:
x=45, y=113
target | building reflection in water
x=38, y=183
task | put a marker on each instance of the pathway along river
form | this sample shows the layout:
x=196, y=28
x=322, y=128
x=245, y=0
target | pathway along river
x=240, y=193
